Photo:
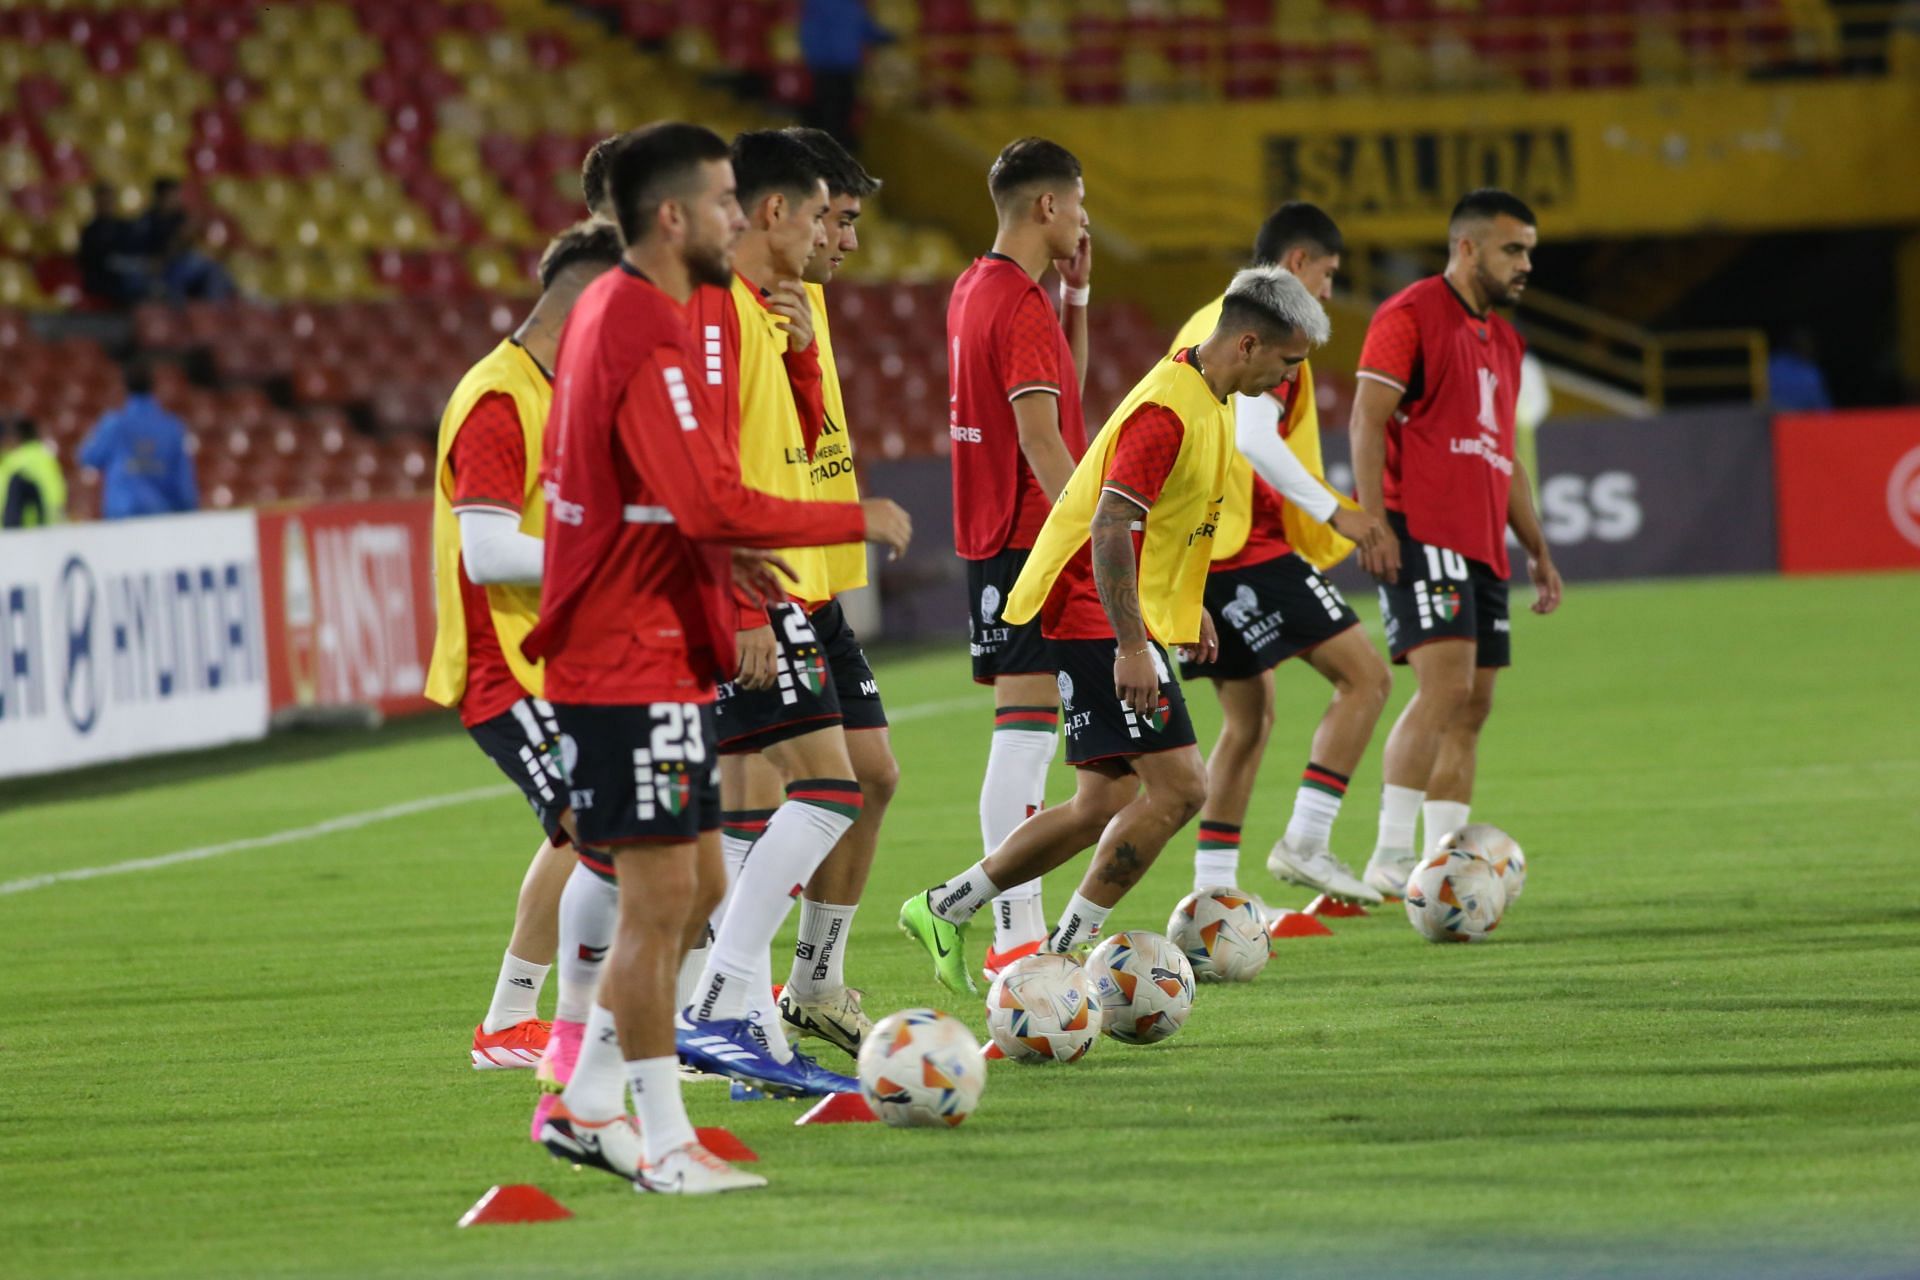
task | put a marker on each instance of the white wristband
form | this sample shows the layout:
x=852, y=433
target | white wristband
x=1075, y=296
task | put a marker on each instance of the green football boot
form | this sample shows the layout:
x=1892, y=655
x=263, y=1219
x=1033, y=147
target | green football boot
x=944, y=941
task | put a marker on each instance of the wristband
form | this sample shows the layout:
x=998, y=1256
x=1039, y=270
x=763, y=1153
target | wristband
x=1141, y=652
x=1075, y=295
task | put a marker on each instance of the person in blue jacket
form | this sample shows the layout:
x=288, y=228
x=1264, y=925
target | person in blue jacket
x=141, y=450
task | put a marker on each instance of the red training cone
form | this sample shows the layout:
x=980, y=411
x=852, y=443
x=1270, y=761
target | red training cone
x=515, y=1203
x=993, y=1052
x=839, y=1108
x=1298, y=924
x=1325, y=906
x=723, y=1144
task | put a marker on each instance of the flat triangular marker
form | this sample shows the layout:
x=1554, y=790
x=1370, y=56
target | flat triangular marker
x=1333, y=907
x=723, y=1144
x=1298, y=924
x=839, y=1108
x=516, y=1202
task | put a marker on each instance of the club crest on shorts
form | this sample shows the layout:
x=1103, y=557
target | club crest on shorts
x=1065, y=682
x=1446, y=602
x=1157, y=718
x=989, y=603
x=673, y=788
x=811, y=670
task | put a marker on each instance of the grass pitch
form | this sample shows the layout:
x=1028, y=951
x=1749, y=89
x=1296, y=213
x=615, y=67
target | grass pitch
x=1693, y=1048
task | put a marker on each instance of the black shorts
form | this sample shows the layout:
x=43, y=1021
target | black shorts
x=638, y=774
x=522, y=741
x=1266, y=613
x=803, y=697
x=1442, y=595
x=853, y=680
x=1001, y=648
x=1099, y=726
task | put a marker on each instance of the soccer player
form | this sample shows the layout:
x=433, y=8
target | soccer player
x=763, y=364
x=1270, y=603
x=593, y=178
x=1160, y=466
x=1015, y=373
x=636, y=623
x=1433, y=437
x=488, y=522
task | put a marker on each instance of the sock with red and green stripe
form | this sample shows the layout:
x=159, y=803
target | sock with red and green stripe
x=739, y=829
x=1315, y=807
x=1216, y=863
x=1013, y=791
x=797, y=839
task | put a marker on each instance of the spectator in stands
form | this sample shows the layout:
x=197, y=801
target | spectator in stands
x=109, y=256
x=1795, y=383
x=834, y=38
x=32, y=489
x=169, y=234
x=141, y=450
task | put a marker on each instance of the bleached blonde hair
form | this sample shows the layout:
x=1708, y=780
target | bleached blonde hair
x=1276, y=295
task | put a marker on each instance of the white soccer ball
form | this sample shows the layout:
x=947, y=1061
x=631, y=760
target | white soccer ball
x=921, y=1067
x=1221, y=932
x=1453, y=896
x=1042, y=1009
x=1500, y=849
x=1144, y=985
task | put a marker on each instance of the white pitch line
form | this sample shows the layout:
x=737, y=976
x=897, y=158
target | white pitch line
x=347, y=822
x=366, y=818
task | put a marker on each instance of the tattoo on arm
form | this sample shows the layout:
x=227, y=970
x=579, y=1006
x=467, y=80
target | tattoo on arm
x=1114, y=572
x=1126, y=868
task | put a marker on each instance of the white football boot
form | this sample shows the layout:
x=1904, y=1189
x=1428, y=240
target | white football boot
x=612, y=1145
x=1388, y=869
x=1319, y=870
x=838, y=1019
x=692, y=1170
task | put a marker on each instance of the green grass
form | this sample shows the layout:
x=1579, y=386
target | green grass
x=1694, y=1048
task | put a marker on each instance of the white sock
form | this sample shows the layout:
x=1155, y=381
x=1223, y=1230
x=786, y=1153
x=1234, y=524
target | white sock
x=589, y=910
x=1311, y=826
x=801, y=833
x=1213, y=867
x=598, y=1083
x=761, y=1011
x=1014, y=789
x=819, y=967
x=1399, y=814
x=516, y=992
x=687, y=984
x=1080, y=922
x=1443, y=818
x=739, y=830
x=656, y=1100
x=960, y=899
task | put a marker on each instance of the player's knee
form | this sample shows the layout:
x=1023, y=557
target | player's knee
x=1096, y=807
x=1371, y=685
x=879, y=779
x=1478, y=706
x=1184, y=793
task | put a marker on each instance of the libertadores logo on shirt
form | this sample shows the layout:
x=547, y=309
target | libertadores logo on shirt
x=1903, y=496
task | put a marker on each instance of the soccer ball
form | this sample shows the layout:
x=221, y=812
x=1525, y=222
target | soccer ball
x=1144, y=986
x=920, y=1068
x=1502, y=850
x=1042, y=1009
x=1222, y=934
x=1454, y=896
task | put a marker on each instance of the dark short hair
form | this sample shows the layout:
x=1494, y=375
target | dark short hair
x=593, y=175
x=21, y=425
x=845, y=175
x=1296, y=225
x=138, y=376
x=1025, y=162
x=1490, y=202
x=653, y=164
x=594, y=241
x=769, y=161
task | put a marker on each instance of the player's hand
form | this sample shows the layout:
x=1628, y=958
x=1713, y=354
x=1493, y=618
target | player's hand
x=1382, y=559
x=1546, y=583
x=1077, y=270
x=1207, y=648
x=888, y=524
x=788, y=300
x=1136, y=681
x=753, y=573
x=758, y=652
x=1359, y=528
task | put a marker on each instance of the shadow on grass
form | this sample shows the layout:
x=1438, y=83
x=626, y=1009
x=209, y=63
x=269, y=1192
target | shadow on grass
x=292, y=746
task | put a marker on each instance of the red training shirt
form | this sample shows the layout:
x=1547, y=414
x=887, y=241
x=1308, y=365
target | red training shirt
x=1004, y=340
x=489, y=464
x=1449, y=466
x=643, y=496
x=1267, y=539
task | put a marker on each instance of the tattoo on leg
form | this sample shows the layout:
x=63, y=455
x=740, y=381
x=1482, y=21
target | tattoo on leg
x=1125, y=868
